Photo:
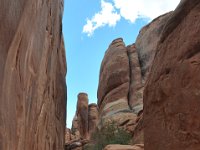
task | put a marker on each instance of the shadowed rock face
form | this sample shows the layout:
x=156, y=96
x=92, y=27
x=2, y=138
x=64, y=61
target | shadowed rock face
x=147, y=41
x=171, y=98
x=135, y=95
x=93, y=116
x=75, y=133
x=32, y=75
x=82, y=114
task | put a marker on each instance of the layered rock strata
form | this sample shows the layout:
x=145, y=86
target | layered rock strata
x=32, y=75
x=114, y=85
x=124, y=70
x=171, y=98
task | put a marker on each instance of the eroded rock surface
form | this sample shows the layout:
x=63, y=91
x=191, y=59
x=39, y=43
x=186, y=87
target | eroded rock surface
x=114, y=85
x=82, y=114
x=171, y=99
x=93, y=116
x=114, y=75
x=32, y=75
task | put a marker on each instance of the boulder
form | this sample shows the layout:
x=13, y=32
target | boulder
x=125, y=147
x=67, y=135
x=76, y=144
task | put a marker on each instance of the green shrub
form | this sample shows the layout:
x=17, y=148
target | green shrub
x=109, y=134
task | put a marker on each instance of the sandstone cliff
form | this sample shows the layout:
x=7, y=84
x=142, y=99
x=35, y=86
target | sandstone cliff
x=164, y=64
x=123, y=74
x=32, y=75
x=171, y=99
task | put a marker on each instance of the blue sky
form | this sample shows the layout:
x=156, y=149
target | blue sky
x=89, y=26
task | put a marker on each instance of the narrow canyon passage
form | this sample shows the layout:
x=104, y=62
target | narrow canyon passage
x=148, y=91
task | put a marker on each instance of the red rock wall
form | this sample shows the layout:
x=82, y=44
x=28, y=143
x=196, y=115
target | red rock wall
x=32, y=75
x=172, y=96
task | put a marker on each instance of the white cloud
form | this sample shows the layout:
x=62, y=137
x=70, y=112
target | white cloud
x=107, y=16
x=131, y=10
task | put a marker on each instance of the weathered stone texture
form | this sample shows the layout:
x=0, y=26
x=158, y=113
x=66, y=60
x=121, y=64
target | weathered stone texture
x=32, y=75
x=171, y=99
x=82, y=114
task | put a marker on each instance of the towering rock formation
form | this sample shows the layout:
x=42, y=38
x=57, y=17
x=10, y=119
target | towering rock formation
x=32, y=75
x=86, y=118
x=123, y=73
x=82, y=114
x=114, y=85
x=114, y=79
x=84, y=123
x=172, y=95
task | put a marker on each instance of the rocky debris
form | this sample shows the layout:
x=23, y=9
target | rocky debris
x=93, y=115
x=76, y=144
x=171, y=98
x=82, y=114
x=67, y=135
x=125, y=147
x=75, y=132
x=32, y=75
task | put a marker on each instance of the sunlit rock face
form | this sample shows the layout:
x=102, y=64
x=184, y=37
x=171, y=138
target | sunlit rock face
x=85, y=119
x=114, y=85
x=123, y=75
x=171, y=98
x=32, y=75
x=124, y=71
